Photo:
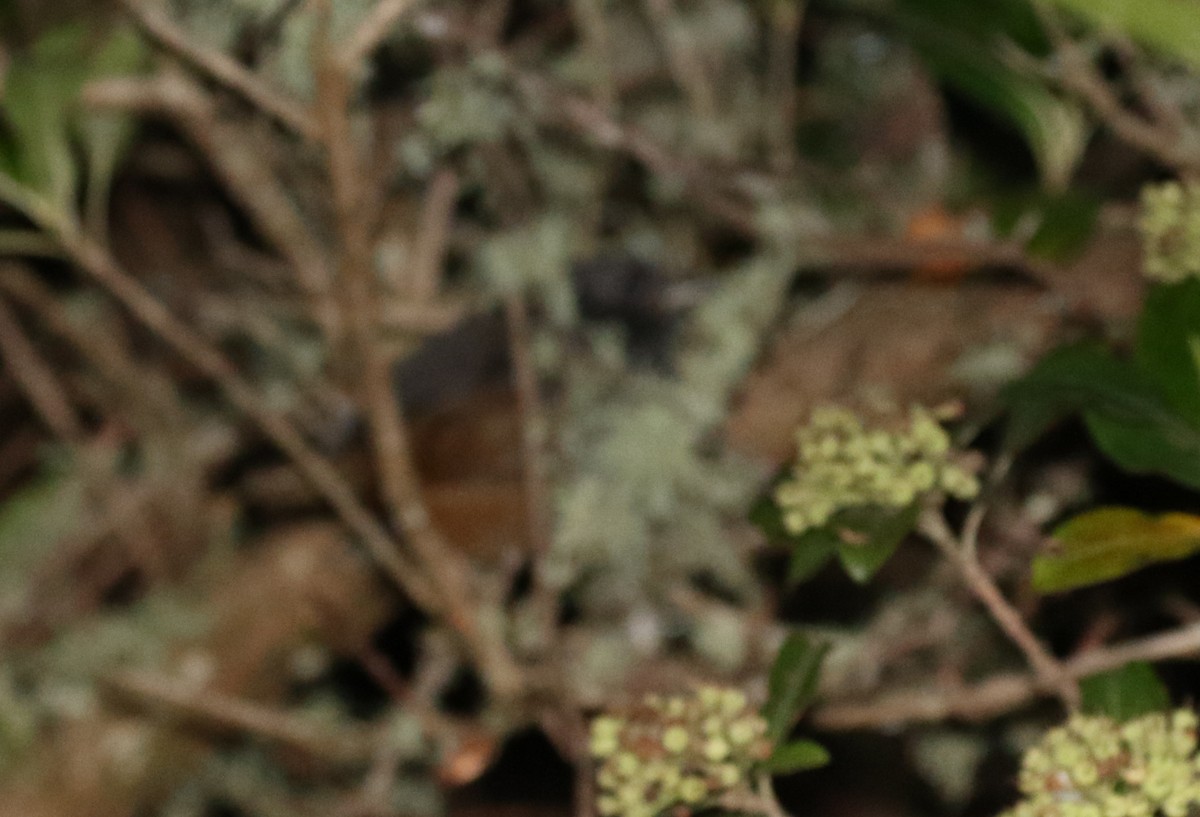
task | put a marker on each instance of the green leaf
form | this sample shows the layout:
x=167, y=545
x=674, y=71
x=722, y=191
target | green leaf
x=811, y=552
x=1124, y=409
x=793, y=683
x=961, y=47
x=1065, y=225
x=796, y=756
x=106, y=136
x=1162, y=444
x=1108, y=543
x=40, y=94
x=1129, y=692
x=1064, y=382
x=1168, y=344
x=867, y=537
x=1166, y=26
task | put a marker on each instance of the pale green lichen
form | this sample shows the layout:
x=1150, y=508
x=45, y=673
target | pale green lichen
x=1170, y=225
x=681, y=752
x=843, y=464
x=1096, y=767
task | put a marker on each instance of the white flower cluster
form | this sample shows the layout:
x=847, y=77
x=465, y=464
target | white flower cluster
x=842, y=464
x=1096, y=767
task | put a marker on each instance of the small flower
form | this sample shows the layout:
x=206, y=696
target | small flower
x=675, y=739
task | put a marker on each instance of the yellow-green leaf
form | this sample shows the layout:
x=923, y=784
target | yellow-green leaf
x=1108, y=543
x=1166, y=26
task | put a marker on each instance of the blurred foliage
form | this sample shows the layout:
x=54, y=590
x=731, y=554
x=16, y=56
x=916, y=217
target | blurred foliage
x=708, y=154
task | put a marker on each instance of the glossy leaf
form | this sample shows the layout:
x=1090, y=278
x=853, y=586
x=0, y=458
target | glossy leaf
x=1064, y=382
x=1168, y=344
x=1129, y=692
x=867, y=538
x=792, y=684
x=1108, y=543
x=1162, y=444
x=961, y=48
x=1127, y=414
x=797, y=756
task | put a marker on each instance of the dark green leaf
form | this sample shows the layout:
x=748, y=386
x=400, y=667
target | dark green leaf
x=797, y=756
x=867, y=537
x=1155, y=443
x=1066, y=223
x=961, y=47
x=1063, y=383
x=1168, y=344
x=1108, y=543
x=811, y=552
x=766, y=516
x=1125, y=411
x=1129, y=692
x=793, y=683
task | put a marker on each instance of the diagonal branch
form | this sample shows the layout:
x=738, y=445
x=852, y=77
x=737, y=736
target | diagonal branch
x=1001, y=693
x=445, y=567
x=1049, y=669
x=223, y=68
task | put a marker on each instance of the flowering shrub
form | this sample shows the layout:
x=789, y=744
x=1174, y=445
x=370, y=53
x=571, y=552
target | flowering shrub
x=1096, y=767
x=670, y=751
x=842, y=464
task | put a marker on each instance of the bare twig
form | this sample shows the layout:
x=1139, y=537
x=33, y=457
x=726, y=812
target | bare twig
x=533, y=424
x=228, y=713
x=237, y=161
x=1080, y=76
x=36, y=378
x=433, y=233
x=593, y=25
x=223, y=69
x=1001, y=693
x=27, y=243
x=153, y=395
x=95, y=260
x=786, y=20
x=687, y=69
x=374, y=29
x=1048, y=668
x=445, y=566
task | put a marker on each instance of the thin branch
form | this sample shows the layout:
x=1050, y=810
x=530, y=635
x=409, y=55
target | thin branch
x=1080, y=76
x=687, y=69
x=208, y=706
x=433, y=233
x=1001, y=693
x=1049, y=669
x=27, y=243
x=94, y=259
x=374, y=29
x=237, y=161
x=224, y=69
x=786, y=21
x=36, y=378
x=445, y=567
x=155, y=396
x=533, y=425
